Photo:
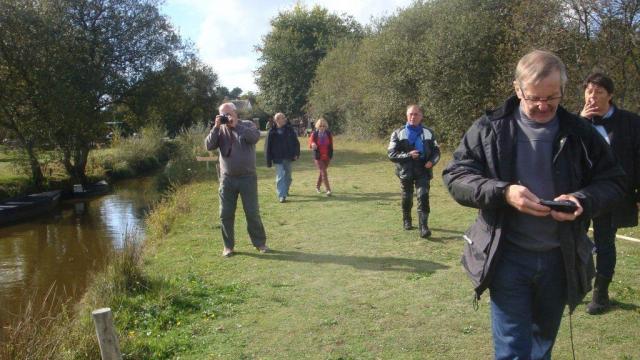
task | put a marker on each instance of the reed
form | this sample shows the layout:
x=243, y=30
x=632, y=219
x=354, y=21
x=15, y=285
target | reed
x=32, y=333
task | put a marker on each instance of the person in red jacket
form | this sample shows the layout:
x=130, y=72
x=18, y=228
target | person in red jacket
x=321, y=142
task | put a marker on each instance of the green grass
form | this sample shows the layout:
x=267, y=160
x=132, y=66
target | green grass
x=344, y=280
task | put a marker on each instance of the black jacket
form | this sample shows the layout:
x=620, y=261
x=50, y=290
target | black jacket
x=281, y=147
x=406, y=166
x=484, y=165
x=623, y=129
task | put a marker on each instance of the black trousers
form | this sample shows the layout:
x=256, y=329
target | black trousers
x=421, y=185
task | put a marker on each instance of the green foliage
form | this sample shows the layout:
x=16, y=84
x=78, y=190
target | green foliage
x=457, y=58
x=290, y=53
x=63, y=62
x=178, y=96
x=183, y=167
x=136, y=154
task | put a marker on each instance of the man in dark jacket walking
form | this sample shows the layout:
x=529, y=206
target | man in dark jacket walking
x=533, y=259
x=621, y=130
x=282, y=147
x=415, y=151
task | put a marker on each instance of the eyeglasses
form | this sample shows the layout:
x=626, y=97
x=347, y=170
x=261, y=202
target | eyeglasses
x=548, y=100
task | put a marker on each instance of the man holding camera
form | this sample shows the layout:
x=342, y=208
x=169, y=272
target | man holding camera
x=621, y=129
x=236, y=141
x=534, y=259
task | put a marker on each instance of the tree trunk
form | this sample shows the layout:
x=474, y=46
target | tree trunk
x=75, y=163
x=36, y=171
x=37, y=178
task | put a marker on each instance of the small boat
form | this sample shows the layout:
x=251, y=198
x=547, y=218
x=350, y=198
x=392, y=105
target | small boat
x=99, y=188
x=25, y=207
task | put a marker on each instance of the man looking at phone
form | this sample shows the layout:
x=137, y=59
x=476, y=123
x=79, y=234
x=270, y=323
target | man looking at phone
x=534, y=260
x=621, y=129
x=236, y=141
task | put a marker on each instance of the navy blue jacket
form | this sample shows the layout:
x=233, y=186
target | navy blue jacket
x=278, y=147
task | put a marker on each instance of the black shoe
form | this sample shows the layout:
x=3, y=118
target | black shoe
x=425, y=232
x=407, y=225
x=600, y=298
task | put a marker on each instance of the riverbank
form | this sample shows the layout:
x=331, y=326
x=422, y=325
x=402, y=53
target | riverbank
x=344, y=280
x=125, y=158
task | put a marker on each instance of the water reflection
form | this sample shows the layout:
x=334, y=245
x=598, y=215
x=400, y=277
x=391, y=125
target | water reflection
x=64, y=248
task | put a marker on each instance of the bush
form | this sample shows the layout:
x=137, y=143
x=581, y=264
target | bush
x=183, y=167
x=136, y=154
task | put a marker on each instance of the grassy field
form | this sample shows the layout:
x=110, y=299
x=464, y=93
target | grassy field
x=344, y=280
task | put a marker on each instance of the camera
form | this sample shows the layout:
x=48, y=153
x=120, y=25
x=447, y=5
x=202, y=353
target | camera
x=224, y=118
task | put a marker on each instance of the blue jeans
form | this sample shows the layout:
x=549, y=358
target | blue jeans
x=283, y=178
x=247, y=188
x=528, y=296
x=604, y=235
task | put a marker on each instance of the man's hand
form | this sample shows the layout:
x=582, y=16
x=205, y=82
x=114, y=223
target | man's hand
x=314, y=146
x=414, y=154
x=428, y=165
x=562, y=216
x=525, y=201
x=232, y=121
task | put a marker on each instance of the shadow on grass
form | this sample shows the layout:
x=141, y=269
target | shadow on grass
x=355, y=197
x=615, y=305
x=453, y=234
x=359, y=262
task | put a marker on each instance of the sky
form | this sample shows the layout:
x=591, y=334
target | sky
x=225, y=33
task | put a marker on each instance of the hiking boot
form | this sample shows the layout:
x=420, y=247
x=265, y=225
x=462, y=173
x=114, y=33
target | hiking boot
x=600, y=298
x=406, y=223
x=425, y=233
x=424, y=227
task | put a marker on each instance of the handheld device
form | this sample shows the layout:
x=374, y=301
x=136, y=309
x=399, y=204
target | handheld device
x=565, y=206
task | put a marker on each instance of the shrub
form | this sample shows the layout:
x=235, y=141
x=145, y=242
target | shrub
x=183, y=166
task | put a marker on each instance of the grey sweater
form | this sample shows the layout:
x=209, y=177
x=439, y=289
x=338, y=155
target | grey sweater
x=534, y=154
x=236, y=147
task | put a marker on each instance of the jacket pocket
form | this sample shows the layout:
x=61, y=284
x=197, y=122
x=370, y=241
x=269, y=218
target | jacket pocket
x=476, y=250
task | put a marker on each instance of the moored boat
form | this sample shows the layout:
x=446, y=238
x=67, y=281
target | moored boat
x=26, y=207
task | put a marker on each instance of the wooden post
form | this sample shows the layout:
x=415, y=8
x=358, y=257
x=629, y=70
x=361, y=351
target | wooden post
x=107, y=338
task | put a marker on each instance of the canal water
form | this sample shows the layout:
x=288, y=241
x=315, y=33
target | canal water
x=63, y=249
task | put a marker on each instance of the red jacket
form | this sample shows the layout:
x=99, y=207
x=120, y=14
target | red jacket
x=323, y=151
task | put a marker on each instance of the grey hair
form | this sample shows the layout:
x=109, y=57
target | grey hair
x=414, y=105
x=230, y=104
x=537, y=65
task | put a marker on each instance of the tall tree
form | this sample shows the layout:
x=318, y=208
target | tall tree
x=235, y=93
x=96, y=52
x=290, y=53
x=178, y=96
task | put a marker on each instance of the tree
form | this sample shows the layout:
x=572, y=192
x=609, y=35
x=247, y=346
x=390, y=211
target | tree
x=235, y=93
x=96, y=52
x=222, y=92
x=25, y=44
x=290, y=53
x=178, y=96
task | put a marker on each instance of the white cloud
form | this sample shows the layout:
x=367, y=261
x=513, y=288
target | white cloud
x=228, y=31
